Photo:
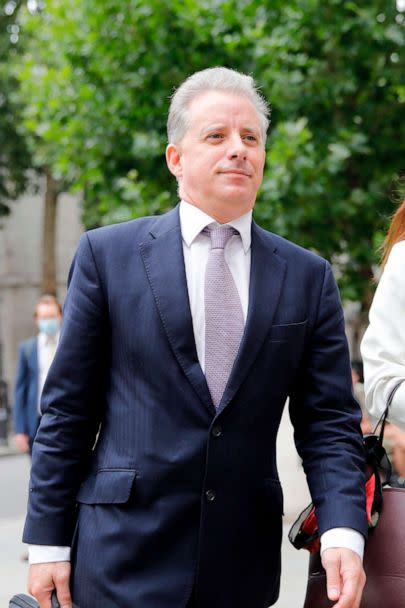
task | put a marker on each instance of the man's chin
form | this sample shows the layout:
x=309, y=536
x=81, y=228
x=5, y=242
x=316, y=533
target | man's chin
x=237, y=195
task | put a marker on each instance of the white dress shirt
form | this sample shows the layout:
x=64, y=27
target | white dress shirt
x=383, y=344
x=46, y=348
x=196, y=248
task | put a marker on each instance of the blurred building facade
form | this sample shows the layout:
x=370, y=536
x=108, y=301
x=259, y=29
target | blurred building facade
x=20, y=267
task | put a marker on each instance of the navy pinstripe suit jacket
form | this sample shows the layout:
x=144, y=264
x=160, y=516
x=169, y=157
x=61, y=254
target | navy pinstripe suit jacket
x=157, y=491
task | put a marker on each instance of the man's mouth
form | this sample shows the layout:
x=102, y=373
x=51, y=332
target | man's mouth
x=236, y=172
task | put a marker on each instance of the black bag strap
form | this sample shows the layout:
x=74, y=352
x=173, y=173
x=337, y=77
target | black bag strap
x=383, y=418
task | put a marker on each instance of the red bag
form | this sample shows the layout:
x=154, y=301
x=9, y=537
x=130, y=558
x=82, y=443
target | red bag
x=304, y=533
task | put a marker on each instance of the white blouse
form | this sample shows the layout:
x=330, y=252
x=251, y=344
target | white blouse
x=383, y=344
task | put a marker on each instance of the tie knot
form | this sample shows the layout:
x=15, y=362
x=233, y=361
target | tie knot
x=220, y=235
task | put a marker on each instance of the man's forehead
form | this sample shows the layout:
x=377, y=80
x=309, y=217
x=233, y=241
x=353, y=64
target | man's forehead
x=47, y=307
x=220, y=107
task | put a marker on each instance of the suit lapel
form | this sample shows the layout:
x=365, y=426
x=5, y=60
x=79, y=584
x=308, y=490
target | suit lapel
x=164, y=263
x=267, y=274
x=33, y=355
x=33, y=363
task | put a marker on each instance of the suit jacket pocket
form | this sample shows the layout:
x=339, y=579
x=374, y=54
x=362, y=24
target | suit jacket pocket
x=107, y=486
x=287, y=331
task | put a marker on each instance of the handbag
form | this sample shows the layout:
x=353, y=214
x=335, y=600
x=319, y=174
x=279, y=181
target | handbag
x=384, y=562
x=21, y=600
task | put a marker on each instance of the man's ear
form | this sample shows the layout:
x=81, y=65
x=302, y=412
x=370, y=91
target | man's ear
x=173, y=159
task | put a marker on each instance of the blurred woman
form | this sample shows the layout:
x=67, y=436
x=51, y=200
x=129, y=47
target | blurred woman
x=383, y=344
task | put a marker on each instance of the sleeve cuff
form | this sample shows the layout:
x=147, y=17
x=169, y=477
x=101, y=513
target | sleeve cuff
x=40, y=554
x=343, y=538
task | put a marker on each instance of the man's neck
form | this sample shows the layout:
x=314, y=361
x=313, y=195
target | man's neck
x=218, y=213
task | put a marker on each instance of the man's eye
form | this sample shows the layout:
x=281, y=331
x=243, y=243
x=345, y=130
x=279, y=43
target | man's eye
x=215, y=136
x=250, y=137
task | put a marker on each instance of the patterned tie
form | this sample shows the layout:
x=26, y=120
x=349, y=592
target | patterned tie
x=224, y=323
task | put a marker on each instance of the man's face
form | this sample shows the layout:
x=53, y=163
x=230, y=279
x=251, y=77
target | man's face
x=219, y=162
x=47, y=311
x=48, y=318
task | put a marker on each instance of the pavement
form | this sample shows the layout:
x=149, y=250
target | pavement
x=7, y=448
x=14, y=472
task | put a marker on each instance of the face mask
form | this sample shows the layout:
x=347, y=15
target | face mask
x=49, y=326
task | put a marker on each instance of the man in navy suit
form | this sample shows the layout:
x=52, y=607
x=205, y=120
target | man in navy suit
x=35, y=356
x=151, y=485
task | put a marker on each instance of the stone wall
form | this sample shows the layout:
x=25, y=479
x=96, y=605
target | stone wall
x=20, y=268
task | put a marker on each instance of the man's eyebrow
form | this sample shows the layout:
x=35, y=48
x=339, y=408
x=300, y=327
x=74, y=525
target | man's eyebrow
x=222, y=127
x=251, y=129
x=213, y=127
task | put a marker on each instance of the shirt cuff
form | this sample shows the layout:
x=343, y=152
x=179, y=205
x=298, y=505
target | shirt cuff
x=346, y=538
x=40, y=554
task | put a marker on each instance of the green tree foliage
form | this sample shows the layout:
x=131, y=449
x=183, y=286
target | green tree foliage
x=339, y=146
x=98, y=74
x=14, y=156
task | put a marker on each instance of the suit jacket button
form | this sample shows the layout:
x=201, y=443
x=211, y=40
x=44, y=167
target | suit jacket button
x=217, y=431
x=210, y=495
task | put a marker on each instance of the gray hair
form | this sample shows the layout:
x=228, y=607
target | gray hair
x=212, y=79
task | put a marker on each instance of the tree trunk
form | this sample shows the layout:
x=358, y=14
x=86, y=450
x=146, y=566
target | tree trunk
x=48, y=281
x=359, y=322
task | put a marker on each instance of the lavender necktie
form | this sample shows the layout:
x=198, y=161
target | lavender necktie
x=224, y=323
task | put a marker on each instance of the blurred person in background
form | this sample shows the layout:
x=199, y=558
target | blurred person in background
x=35, y=356
x=358, y=391
x=394, y=443
x=383, y=344
x=394, y=437
x=154, y=466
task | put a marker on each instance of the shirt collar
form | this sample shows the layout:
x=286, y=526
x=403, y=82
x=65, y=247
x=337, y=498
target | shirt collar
x=193, y=220
x=43, y=338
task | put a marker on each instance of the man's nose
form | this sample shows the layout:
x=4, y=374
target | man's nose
x=237, y=147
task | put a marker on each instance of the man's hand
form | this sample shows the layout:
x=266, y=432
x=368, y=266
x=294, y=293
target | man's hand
x=22, y=442
x=345, y=577
x=44, y=578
